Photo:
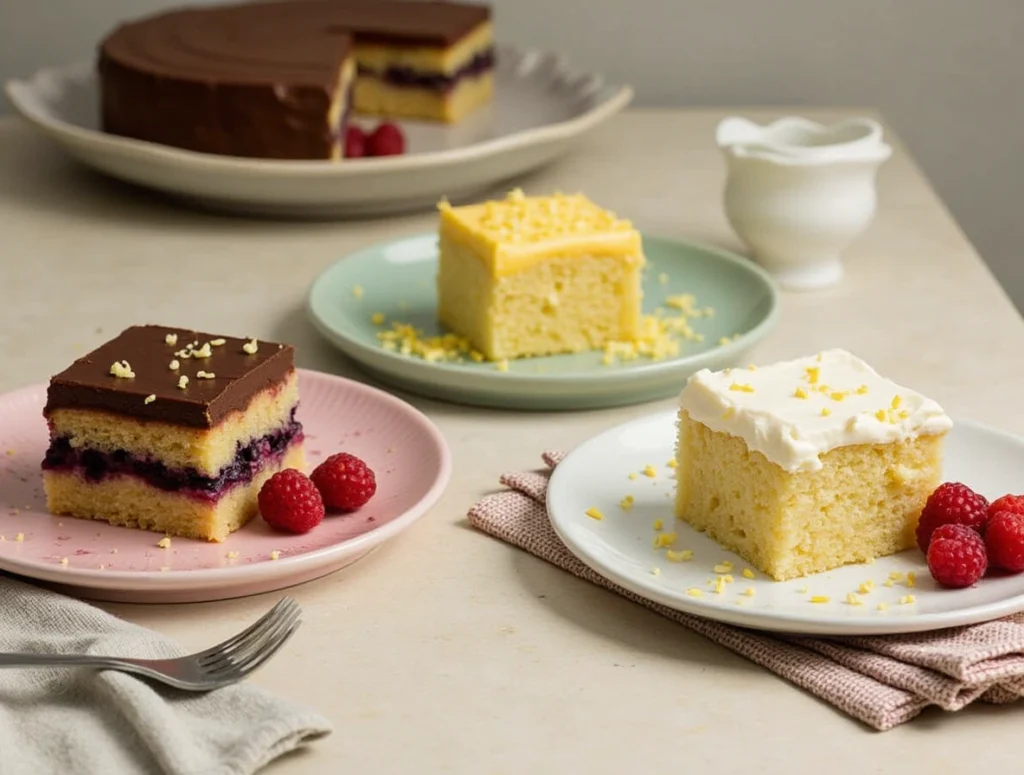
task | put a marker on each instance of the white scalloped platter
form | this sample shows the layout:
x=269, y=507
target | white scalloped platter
x=540, y=109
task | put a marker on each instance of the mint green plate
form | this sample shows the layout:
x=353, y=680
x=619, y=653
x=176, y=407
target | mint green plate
x=397, y=279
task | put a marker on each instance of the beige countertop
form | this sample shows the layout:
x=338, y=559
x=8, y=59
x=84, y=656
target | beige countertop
x=447, y=651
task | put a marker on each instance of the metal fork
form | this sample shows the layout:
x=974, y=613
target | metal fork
x=220, y=665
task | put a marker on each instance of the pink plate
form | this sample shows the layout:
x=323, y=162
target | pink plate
x=405, y=450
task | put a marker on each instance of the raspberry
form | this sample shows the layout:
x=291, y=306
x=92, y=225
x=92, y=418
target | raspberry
x=952, y=503
x=290, y=501
x=345, y=482
x=1012, y=503
x=386, y=140
x=956, y=556
x=355, y=142
x=1004, y=540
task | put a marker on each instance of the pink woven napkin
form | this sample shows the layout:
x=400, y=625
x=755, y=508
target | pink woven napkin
x=883, y=681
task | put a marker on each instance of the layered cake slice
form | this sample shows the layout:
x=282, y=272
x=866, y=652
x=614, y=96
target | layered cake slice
x=529, y=276
x=806, y=465
x=171, y=430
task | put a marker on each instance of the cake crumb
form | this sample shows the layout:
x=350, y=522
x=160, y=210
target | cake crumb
x=502, y=365
x=377, y=318
x=3, y=537
x=20, y=537
x=897, y=576
x=820, y=599
x=150, y=398
x=594, y=513
x=673, y=463
x=694, y=592
x=869, y=561
x=911, y=579
x=203, y=352
x=183, y=382
x=658, y=524
x=907, y=600
x=655, y=571
x=748, y=574
x=232, y=555
x=749, y=592
x=64, y=561
x=801, y=590
x=722, y=568
x=205, y=374
x=650, y=471
x=632, y=476
x=171, y=339
x=719, y=585
x=218, y=342
x=275, y=554
x=102, y=566
x=866, y=587
x=684, y=555
x=164, y=543
x=664, y=539
x=852, y=599
x=890, y=583
x=164, y=568
x=626, y=503
x=122, y=370
x=882, y=606
x=174, y=365
x=357, y=291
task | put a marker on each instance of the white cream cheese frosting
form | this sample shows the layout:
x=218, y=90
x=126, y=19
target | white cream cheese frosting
x=793, y=412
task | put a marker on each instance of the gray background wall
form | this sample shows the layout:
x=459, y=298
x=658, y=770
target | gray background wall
x=948, y=74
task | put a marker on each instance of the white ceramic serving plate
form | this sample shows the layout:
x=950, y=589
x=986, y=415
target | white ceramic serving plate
x=406, y=451
x=620, y=547
x=540, y=109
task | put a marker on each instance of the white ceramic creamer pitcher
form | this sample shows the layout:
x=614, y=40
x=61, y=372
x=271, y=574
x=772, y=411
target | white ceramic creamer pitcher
x=798, y=192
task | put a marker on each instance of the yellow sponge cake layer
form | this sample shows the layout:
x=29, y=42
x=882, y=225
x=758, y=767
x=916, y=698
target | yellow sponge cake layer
x=130, y=502
x=806, y=465
x=380, y=98
x=537, y=276
x=207, y=450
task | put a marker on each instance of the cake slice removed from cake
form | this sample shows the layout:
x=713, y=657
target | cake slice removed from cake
x=171, y=430
x=529, y=276
x=806, y=465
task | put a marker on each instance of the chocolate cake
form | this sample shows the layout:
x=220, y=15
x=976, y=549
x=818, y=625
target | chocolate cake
x=277, y=80
x=171, y=430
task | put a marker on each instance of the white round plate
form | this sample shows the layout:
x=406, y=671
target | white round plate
x=540, y=109
x=405, y=450
x=620, y=547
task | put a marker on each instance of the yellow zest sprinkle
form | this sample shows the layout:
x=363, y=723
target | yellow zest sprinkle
x=20, y=537
x=751, y=367
x=862, y=390
x=122, y=370
x=820, y=599
x=896, y=401
x=664, y=539
x=749, y=592
x=357, y=291
x=719, y=586
x=741, y=388
x=722, y=568
x=164, y=543
x=866, y=587
x=799, y=393
x=658, y=524
x=502, y=365
x=812, y=374
x=748, y=574
x=852, y=599
x=626, y=503
x=896, y=576
x=694, y=592
x=728, y=413
x=149, y=399
x=673, y=463
x=880, y=414
x=655, y=571
x=907, y=600
x=911, y=579
x=650, y=471
x=275, y=554
x=728, y=579
x=632, y=476
x=889, y=583
x=838, y=395
x=882, y=606
x=904, y=414
x=377, y=318
x=232, y=555
x=594, y=513
x=680, y=556
x=825, y=411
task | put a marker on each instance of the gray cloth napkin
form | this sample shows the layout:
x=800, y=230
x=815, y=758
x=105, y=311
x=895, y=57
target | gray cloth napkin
x=80, y=722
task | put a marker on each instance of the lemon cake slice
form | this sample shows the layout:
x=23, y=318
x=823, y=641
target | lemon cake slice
x=806, y=465
x=531, y=276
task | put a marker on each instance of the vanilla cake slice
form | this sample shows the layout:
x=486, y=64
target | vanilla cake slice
x=528, y=276
x=806, y=465
x=171, y=430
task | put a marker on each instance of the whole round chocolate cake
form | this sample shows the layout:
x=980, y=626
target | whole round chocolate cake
x=277, y=80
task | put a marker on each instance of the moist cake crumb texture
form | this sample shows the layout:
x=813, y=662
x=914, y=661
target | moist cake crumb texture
x=793, y=490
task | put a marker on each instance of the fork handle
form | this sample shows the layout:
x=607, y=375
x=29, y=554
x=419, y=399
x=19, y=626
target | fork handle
x=61, y=660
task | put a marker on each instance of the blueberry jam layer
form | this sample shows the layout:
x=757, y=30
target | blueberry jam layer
x=249, y=460
x=442, y=82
